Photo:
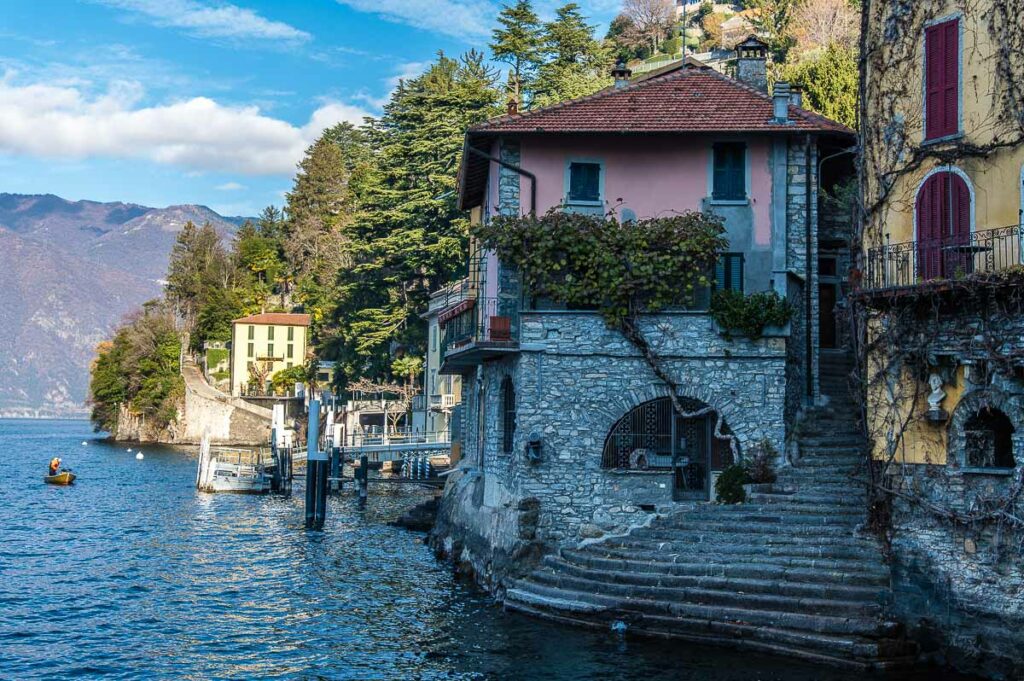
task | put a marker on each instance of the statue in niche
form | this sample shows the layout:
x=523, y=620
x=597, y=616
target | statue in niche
x=935, y=411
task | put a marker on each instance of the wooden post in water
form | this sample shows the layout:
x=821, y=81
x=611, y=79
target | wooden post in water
x=315, y=468
x=364, y=474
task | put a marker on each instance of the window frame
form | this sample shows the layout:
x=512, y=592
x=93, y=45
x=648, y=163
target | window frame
x=568, y=200
x=251, y=350
x=744, y=168
x=930, y=26
x=252, y=332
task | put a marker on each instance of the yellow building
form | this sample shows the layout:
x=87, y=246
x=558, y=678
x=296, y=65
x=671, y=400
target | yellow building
x=264, y=344
x=943, y=169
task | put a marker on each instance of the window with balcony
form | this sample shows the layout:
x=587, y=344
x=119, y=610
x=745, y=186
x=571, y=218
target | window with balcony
x=942, y=79
x=944, y=227
x=270, y=350
x=729, y=180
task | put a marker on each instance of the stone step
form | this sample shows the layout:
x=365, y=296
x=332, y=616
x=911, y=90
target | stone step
x=660, y=551
x=747, y=515
x=821, y=508
x=832, y=571
x=759, y=578
x=753, y=530
x=844, y=501
x=731, y=598
x=584, y=602
x=851, y=652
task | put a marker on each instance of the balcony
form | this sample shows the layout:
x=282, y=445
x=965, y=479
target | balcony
x=443, y=402
x=478, y=329
x=894, y=267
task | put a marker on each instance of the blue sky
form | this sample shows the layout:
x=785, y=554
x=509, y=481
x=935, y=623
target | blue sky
x=161, y=102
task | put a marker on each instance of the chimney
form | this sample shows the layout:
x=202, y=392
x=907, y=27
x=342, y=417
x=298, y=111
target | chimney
x=513, y=106
x=621, y=73
x=752, y=63
x=796, y=95
x=781, y=98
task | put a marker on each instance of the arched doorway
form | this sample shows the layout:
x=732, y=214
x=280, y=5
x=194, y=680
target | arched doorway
x=653, y=437
x=943, y=212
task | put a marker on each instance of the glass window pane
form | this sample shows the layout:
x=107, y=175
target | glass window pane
x=584, y=182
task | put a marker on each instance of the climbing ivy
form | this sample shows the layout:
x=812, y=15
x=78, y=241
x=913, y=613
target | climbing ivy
x=620, y=269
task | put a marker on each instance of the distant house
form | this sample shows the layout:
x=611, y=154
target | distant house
x=736, y=28
x=264, y=344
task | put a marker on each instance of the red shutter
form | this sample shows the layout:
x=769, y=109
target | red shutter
x=942, y=79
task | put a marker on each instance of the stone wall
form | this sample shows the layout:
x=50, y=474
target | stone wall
x=959, y=588
x=574, y=379
x=801, y=204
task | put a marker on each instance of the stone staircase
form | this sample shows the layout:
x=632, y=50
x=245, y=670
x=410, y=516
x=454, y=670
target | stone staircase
x=788, y=572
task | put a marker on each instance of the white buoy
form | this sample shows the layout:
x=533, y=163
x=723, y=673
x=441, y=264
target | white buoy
x=129, y=450
x=84, y=443
x=139, y=456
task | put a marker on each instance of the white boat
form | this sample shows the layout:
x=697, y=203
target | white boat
x=225, y=469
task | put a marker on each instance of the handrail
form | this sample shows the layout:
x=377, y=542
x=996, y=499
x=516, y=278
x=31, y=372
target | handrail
x=911, y=263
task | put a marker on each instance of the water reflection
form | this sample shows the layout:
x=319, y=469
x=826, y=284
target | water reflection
x=133, y=574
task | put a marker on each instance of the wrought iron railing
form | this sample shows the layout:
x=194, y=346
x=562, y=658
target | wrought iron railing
x=911, y=263
x=482, y=321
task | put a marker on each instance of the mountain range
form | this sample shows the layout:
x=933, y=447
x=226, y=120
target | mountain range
x=69, y=272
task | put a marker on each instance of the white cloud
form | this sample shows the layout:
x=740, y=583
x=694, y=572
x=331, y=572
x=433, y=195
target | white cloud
x=230, y=187
x=471, y=20
x=220, y=20
x=198, y=134
x=467, y=19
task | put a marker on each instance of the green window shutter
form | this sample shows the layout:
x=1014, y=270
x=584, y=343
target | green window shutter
x=730, y=171
x=729, y=272
x=584, y=182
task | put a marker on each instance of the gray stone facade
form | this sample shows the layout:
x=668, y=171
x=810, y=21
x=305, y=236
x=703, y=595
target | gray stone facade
x=959, y=588
x=574, y=378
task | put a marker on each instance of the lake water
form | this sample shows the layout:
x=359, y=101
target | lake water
x=132, y=574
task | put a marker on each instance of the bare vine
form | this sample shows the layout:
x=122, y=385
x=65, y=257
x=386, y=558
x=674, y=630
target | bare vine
x=900, y=337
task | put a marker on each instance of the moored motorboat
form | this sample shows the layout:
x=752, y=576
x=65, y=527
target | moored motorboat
x=62, y=478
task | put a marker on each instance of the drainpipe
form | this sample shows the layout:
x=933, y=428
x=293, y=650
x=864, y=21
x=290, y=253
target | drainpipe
x=516, y=169
x=809, y=288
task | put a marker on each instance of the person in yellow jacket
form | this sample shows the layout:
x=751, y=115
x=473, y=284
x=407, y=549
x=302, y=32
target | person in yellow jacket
x=54, y=466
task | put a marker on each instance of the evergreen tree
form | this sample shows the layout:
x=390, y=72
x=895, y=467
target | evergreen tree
x=830, y=83
x=517, y=43
x=772, y=19
x=409, y=237
x=198, y=265
x=577, y=64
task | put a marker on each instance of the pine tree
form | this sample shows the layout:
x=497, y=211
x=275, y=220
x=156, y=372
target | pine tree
x=517, y=43
x=577, y=64
x=199, y=263
x=409, y=237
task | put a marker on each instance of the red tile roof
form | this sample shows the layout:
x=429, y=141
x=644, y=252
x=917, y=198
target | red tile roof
x=283, y=318
x=688, y=99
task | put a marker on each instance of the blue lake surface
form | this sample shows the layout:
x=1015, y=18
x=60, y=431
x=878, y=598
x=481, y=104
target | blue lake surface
x=132, y=574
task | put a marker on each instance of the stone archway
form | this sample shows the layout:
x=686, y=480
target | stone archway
x=653, y=437
x=986, y=432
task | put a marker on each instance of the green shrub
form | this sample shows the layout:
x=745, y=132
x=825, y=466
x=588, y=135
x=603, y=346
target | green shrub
x=729, y=486
x=734, y=311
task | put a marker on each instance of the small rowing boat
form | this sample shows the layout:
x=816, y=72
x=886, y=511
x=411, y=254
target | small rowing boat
x=62, y=478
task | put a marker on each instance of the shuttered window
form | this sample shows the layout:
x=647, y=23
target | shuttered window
x=584, y=182
x=942, y=79
x=730, y=171
x=729, y=272
x=943, y=224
